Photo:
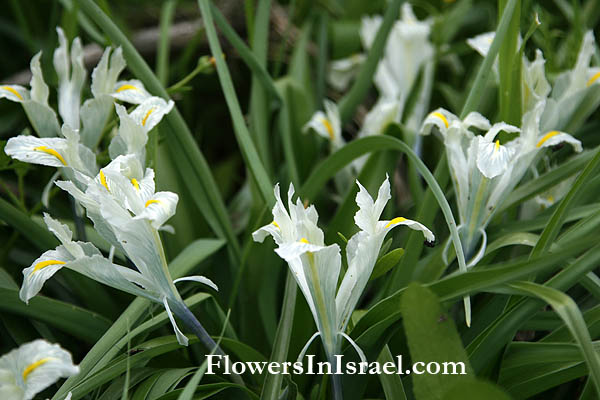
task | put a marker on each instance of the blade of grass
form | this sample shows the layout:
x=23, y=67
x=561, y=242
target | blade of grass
x=279, y=354
x=259, y=107
x=509, y=68
x=555, y=223
x=567, y=309
x=258, y=70
x=81, y=323
x=167, y=12
x=245, y=142
x=199, y=178
x=485, y=70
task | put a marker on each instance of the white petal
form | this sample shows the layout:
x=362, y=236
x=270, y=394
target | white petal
x=64, y=234
x=104, y=77
x=150, y=112
x=71, y=76
x=417, y=226
x=159, y=208
x=500, y=127
x=493, y=158
x=554, y=138
x=199, y=279
x=131, y=91
x=380, y=116
x=477, y=120
x=440, y=118
x=131, y=137
x=306, y=346
x=369, y=212
x=42, y=269
x=342, y=71
x=39, y=89
x=14, y=93
x=30, y=149
x=481, y=43
x=181, y=338
x=37, y=365
x=368, y=29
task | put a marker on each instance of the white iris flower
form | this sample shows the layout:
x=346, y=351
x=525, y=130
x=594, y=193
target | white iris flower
x=119, y=198
x=342, y=71
x=33, y=367
x=316, y=266
x=483, y=170
x=327, y=124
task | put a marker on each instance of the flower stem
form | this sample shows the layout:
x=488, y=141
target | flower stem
x=336, y=382
x=192, y=322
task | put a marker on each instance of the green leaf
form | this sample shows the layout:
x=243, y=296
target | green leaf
x=272, y=385
x=556, y=221
x=387, y=262
x=485, y=69
x=432, y=337
x=567, y=309
x=475, y=390
x=242, y=134
x=81, y=323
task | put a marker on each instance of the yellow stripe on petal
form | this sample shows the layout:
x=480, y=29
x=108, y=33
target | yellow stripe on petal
x=52, y=152
x=546, y=137
x=329, y=128
x=103, y=180
x=146, y=116
x=395, y=221
x=44, y=264
x=151, y=201
x=127, y=87
x=303, y=240
x=496, y=146
x=135, y=183
x=33, y=366
x=276, y=224
x=13, y=91
x=593, y=79
x=440, y=116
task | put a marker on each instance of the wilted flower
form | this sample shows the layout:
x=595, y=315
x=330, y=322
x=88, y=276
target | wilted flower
x=33, y=367
x=316, y=266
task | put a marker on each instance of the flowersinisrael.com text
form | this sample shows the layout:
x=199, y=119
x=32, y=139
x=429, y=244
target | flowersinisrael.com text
x=339, y=367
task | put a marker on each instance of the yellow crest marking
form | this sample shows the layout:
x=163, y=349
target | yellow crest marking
x=33, y=366
x=126, y=87
x=303, y=240
x=276, y=224
x=52, y=152
x=44, y=264
x=395, y=221
x=13, y=91
x=103, y=180
x=496, y=146
x=328, y=127
x=593, y=79
x=135, y=183
x=440, y=116
x=146, y=116
x=546, y=137
x=151, y=201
